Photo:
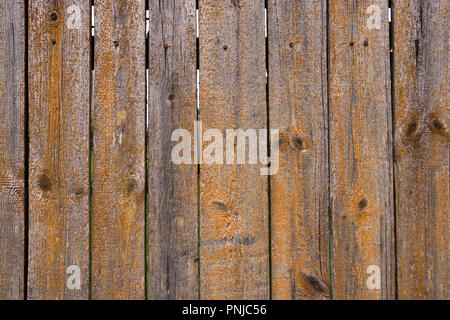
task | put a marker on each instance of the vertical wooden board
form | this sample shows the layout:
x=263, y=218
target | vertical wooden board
x=361, y=149
x=234, y=198
x=12, y=127
x=297, y=36
x=173, y=213
x=59, y=50
x=422, y=148
x=118, y=217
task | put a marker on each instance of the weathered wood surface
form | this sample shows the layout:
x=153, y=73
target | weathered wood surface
x=173, y=213
x=362, y=216
x=59, y=148
x=422, y=148
x=297, y=37
x=234, y=198
x=118, y=217
x=12, y=127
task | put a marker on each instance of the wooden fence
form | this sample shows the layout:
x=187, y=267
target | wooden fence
x=91, y=205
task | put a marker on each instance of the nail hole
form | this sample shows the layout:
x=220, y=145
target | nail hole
x=171, y=97
x=291, y=45
x=79, y=191
x=116, y=43
x=54, y=41
x=166, y=46
x=366, y=43
x=362, y=204
x=351, y=43
x=225, y=47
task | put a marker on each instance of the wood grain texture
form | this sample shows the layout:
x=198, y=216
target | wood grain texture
x=118, y=217
x=173, y=213
x=297, y=37
x=12, y=127
x=234, y=198
x=422, y=148
x=361, y=151
x=59, y=149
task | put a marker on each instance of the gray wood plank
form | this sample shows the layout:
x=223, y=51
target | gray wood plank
x=361, y=177
x=422, y=148
x=173, y=213
x=12, y=127
x=297, y=39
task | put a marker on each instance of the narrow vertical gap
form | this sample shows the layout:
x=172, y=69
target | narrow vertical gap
x=26, y=157
x=198, y=166
x=330, y=197
x=269, y=190
x=147, y=22
x=91, y=142
x=394, y=197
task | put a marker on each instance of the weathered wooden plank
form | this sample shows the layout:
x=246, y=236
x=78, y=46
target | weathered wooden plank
x=361, y=148
x=297, y=36
x=118, y=217
x=234, y=198
x=12, y=128
x=422, y=148
x=173, y=213
x=59, y=149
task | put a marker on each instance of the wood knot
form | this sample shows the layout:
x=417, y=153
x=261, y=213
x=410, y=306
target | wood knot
x=131, y=186
x=222, y=206
x=411, y=128
x=298, y=143
x=362, y=204
x=315, y=284
x=171, y=97
x=79, y=191
x=45, y=182
x=54, y=16
x=437, y=125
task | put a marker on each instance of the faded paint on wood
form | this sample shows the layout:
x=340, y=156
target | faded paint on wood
x=59, y=149
x=422, y=148
x=12, y=102
x=173, y=213
x=118, y=217
x=297, y=37
x=234, y=198
x=361, y=151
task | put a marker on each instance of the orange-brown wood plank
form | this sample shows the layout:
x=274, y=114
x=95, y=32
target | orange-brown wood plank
x=173, y=213
x=422, y=148
x=362, y=244
x=12, y=128
x=59, y=77
x=118, y=217
x=234, y=198
x=297, y=36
